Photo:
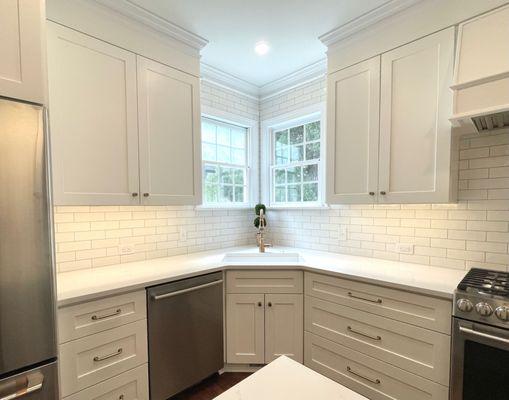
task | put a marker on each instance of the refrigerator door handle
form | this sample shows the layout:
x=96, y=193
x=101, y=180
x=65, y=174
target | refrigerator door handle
x=34, y=383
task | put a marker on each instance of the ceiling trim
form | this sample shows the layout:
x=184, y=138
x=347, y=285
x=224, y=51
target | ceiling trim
x=218, y=77
x=151, y=20
x=301, y=76
x=366, y=20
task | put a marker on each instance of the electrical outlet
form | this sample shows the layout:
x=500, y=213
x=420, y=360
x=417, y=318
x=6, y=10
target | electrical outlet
x=343, y=232
x=182, y=234
x=405, y=248
x=125, y=249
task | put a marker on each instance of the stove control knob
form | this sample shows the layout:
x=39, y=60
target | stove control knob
x=483, y=309
x=502, y=313
x=464, y=305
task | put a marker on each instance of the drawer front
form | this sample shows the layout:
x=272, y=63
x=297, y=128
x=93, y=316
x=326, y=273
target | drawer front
x=275, y=281
x=93, y=359
x=96, y=316
x=414, y=349
x=425, y=311
x=131, y=385
x=369, y=377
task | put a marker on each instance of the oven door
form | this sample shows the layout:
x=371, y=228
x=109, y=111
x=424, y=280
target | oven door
x=480, y=362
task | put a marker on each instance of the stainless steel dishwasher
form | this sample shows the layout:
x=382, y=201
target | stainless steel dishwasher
x=185, y=331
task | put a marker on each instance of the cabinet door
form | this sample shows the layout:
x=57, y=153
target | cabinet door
x=284, y=326
x=245, y=328
x=169, y=123
x=415, y=132
x=93, y=115
x=353, y=131
x=21, y=46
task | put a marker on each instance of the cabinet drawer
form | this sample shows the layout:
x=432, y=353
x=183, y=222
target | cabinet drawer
x=96, y=316
x=414, y=349
x=93, y=359
x=276, y=281
x=131, y=385
x=369, y=377
x=425, y=311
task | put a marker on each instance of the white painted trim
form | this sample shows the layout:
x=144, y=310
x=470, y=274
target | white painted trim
x=223, y=79
x=151, y=20
x=366, y=20
x=267, y=126
x=300, y=77
x=253, y=153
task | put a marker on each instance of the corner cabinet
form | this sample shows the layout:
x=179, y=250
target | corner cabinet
x=22, y=46
x=169, y=131
x=262, y=326
x=389, y=125
x=125, y=130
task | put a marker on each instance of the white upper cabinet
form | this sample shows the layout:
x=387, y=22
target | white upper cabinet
x=22, y=71
x=352, y=141
x=169, y=135
x=93, y=115
x=415, y=132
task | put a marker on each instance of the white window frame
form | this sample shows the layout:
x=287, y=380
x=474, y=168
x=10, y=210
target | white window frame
x=252, y=180
x=294, y=118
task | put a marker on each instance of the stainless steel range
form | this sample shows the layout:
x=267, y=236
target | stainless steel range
x=480, y=359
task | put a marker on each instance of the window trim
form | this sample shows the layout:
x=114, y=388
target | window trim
x=294, y=118
x=252, y=180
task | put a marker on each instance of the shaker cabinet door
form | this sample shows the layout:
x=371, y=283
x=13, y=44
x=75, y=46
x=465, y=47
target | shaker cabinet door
x=353, y=130
x=22, y=72
x=415, y=132
x=169, y=129
x=93, y=116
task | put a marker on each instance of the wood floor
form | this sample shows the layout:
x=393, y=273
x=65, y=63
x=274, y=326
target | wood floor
x=211, y=387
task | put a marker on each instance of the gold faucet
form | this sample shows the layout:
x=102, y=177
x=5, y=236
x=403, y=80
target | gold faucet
x=261, y=230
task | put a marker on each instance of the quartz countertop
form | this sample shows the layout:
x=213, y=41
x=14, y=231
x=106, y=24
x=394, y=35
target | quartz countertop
x=84, y=285
x=285, y=378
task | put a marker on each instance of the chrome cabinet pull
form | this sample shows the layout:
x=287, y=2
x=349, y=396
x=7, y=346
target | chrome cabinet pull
x=375, y=381
x=99, y=317
x=102, y=358
x=378, y=301
x=34, y=384
x=350, y=329
x=484, y=335
x=192, y=289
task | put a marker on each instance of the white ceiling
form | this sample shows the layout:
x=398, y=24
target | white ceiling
x=233, y=27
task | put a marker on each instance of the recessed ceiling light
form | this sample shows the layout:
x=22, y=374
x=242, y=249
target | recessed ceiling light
x=262, y=48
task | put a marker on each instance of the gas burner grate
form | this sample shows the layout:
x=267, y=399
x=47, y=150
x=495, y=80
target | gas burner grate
x=486, y=281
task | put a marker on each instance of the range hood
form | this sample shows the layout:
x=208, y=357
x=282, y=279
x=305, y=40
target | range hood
x=481, y=75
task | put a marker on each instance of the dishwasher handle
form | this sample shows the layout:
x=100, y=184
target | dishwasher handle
x=192, y=289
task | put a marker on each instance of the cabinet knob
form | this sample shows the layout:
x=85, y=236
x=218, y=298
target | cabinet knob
x=371, y=193
x=383, y=193
x=134, y=194
x=259, y=304
x=270, y=304
x=146, y=194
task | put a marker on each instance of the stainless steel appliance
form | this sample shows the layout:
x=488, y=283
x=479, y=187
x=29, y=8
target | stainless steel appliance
x=480, y=358
x=185, y=331
x=27, y=328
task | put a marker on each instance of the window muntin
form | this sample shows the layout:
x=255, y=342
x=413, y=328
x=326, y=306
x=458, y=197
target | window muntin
x=225, y=163
x=295, y=169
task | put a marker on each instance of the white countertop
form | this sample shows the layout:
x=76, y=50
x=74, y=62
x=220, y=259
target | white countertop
x=83, y=285
x=287, y=379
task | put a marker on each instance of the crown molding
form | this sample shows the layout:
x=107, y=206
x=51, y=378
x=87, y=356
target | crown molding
x=223, y=79
x=366, y=20
x=300, y=77
x=137, y=13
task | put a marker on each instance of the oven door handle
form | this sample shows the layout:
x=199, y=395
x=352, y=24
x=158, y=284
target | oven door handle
x=483, y=335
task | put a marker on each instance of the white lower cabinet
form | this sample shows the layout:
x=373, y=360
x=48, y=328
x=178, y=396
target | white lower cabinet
x=131, y=385
x=263, y=326
x=103, y=353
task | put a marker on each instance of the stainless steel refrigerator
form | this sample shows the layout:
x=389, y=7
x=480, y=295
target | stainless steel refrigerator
x=28, y=367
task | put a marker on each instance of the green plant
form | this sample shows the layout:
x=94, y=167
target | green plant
x=260, y=206
x=256, y=221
